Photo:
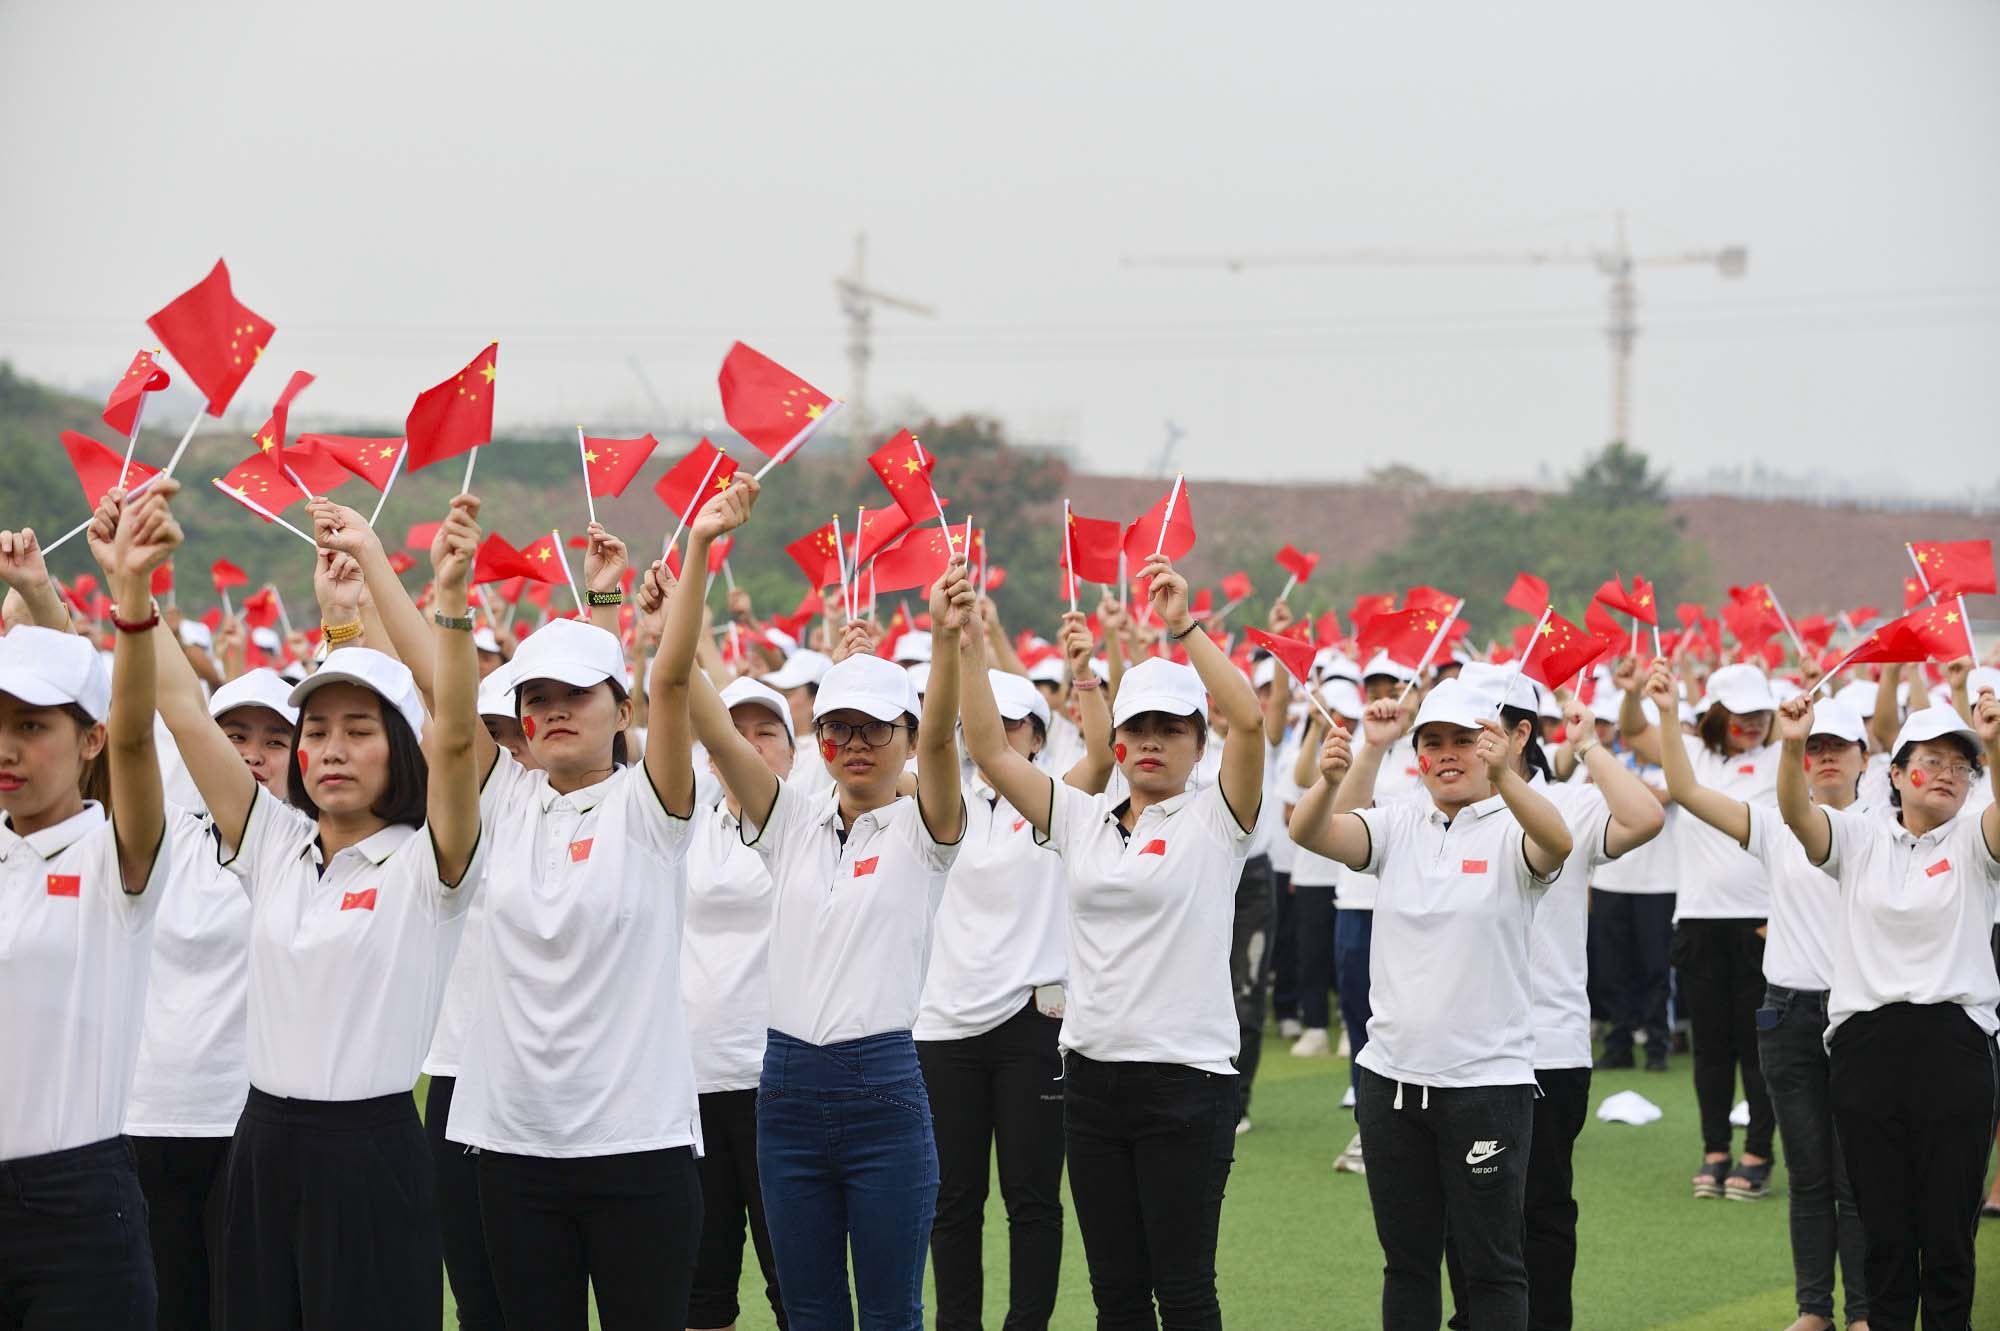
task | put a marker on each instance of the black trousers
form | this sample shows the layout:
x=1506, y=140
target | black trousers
x=1285, y=952
x=1631, y=940
x=457, y=1171
x=1914, y=1098
x=1721, y=965
x=1150, y=1145
x=1548, y=1205
x=730, y=1194
x=1002, y=1090
x=622, y=1227
x=1312, y=918
x=73, y=1247
x=182, y=1180
x=330, y=1218
x=1250, y=965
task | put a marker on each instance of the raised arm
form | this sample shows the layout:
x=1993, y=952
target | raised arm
x=604, y=563
x=1277, y=704
x=999, y=649
x=954, y=615
x=411, y=640
x=145, y=537
x=1807, y=820
x=1242, y=773
x=1092, y=772
x=1317, y=823
x=1986, y=724
x=1636, y=815
x=1887, y=720
x=452, y=804
x=23, y=569
x=1731, y=817
x=1548, y=841
x=1022, y=784
x=1641, y=736
x=1305, y=767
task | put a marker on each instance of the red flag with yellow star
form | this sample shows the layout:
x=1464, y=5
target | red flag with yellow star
x=498, y=560
x=456, y=416
x=1560, y=652
x=373, y=460
x=97, y=467
x=1298, y=563
x=769, y=405
x=216, y=338
x=817, y=556
x=695, y=479
x=1938, y=631
x=258, y=479
x=121, y=409
x=1955, y=568
x=879, y=528
x=1294, y=654
x=904, y=466
x=1092, y=549
x=1638, y=602
x=610, y=464
x=271, y=436
x=1404, y=634
x=918, y=560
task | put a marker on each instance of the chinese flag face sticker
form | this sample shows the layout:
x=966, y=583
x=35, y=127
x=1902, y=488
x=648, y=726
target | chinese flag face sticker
x=1472, y=866
x=65, y=884
x=863, y=868
x=364, y=900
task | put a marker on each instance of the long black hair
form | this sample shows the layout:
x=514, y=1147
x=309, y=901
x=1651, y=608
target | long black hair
x=1513, y=718
x=405, y=800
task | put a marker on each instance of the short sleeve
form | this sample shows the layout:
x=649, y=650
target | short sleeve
x=273, y=832
x=1517, y=853
x=134, y=909
x=1380, y=820
x=1069, y=810
x=938, y=856
x=651, y=823
x=1762, y=843
x=1589, y=819
x=1981, y=854
x=1847, y=828
x=508, y=788
x=769, y=836
x=1212, y=807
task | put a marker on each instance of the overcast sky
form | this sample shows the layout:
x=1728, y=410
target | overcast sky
x=396, y=184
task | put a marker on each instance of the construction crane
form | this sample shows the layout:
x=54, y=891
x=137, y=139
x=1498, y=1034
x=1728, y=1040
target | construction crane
x=858, y=301
x=1163, y=462
x=1617, y=263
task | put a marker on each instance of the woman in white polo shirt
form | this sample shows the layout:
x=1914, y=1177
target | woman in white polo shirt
x=1720, y=916
x=330, y=1213
x=992, y=1004
x=1150, y=1097
x=1447, y=1084
x=1911, y=1018
x=85, y=852
x=1798, y=969
x=845, y=1152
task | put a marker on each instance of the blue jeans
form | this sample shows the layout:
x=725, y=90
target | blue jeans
x=1353, y=935
x=845, y=1156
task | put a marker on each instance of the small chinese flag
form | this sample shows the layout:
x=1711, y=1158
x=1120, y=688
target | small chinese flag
x=1092, y=550
x=1913, y=592
x=1638, y=602
x=1298, y=563
x=1601, y=625
x=271, y=438
x=917, y=560
x=225, y=575
x=769, y=405
x=695, y=479
x=1429, y=598
x=1955, y=568
x=879, y=529
x=1560, y=652
x=373, y=460
x=899, y=624
x=1404, y=634
x=256, y=478
x=1237, y=587
x=400, y=563
x=1326, y=629
x=1171, y=533
x=718, y=553
x=121, y=409
x=498, y=561
x=610, y=464
x=1294, y=655
x=904, y=467
x=216, y=338
x=456, y=416
x=260, y=608
x=97, y=467
x=420, y=536
x=162, y=581
x=817, y=556
x=1366, y=608
x=1529, y=595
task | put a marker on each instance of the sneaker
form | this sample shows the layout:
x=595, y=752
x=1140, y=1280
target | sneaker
x=1349, y=1161
x=1289, y=1028
x=1243, y=1126
x=1346, y=1048
x=1311, y=1043
x=1347, y=1097
x=1613, y=1062
x=1656, y=1060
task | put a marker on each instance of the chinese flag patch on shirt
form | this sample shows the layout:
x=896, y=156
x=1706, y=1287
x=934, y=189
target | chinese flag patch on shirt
x=862, y=868
x=1154, y=847
x=358, y=900
x=579, y=851
x=1472, y=866
x=65, y=884
x=1020, y=823
x=1748, y=769
x=1942, y=866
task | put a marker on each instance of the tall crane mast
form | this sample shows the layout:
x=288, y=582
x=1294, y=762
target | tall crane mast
x=1618, y=263
x=858, y=301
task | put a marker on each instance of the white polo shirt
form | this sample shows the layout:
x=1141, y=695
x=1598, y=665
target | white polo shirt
x=1718, y=879
x=1652, y=870
x=1448, y=968
x=578, y=1044
x=1916, y=917
x=999, y=934
x=1063, y=748
x=1558, y=960
x=726, y=953
x=1281, y=795
x=73, y=962
x=446, y=1055
x=1150, y=917
x=851, y=929
x=1805, y=904
x=348, y=957
x=193, y=1071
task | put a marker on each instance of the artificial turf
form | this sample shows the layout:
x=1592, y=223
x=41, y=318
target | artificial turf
x=1298, y=1247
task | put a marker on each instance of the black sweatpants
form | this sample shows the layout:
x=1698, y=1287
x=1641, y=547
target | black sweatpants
x=182, y=1179
x=1312, y=918
x=1002, y=1090
x=1448, y=1158
x=1150, y=1145
x=457, y=1169
x=1914, y=1098
x=622, y=1227
x=730, y=1194
x=330, y=1219
x=1548, y=1204
x=1250, y=966
x=1721, y=965
x=1631, y=941
x=73, y=1241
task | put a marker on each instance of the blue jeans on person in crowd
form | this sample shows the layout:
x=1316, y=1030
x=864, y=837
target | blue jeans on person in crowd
x=1353, y=935
x=845, y=1156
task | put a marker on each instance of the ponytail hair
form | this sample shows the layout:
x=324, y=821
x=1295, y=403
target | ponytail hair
x=1513, y=718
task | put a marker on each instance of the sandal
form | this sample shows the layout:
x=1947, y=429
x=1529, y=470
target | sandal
x=1708, y=1179
x=1748, y=1183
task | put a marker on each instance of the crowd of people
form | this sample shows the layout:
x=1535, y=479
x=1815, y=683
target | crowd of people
x=804, y=944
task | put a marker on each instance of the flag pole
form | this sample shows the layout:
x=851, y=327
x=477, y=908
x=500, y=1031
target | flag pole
x=1798, y=643
x=227, y=608
x=1069, y=557
x=568, y=577
x=132, y=439
x=1167, y=521
x=700, y=493
x=137, y=490
x=854, y=562
x=263, y=512
x=1522, y=660
x=471, y=457
x=1923, y=579
x=918, y=445
x=583, y=456
x=840, y=561
x=1290, y=582
x=179, y=449
x=1437, y=641
x=871, y=590
x=1971, y=644
x=278, y=597
x=390, y=484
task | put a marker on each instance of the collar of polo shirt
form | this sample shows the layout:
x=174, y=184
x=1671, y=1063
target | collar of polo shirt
x=1478, y=809
x=53, y=841
x=375, y=848
x=583, y=800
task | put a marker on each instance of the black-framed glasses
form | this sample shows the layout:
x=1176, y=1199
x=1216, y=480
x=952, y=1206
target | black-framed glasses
x=875, y=734
x=1013, y=723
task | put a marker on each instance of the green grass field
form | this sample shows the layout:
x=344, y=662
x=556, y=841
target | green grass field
x=1298, y=1247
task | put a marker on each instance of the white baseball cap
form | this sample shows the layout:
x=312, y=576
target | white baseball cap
x=255, y=688
x=46, y=668
x=1834, y=717
x=1983, y=677
x=920, y=676
x=483, y=640
x=1049, y=670
x=1784, y=690
x=573, y=653
x=1546, y=704
x=266, y=639
x=914, y=645
x=385, y=676
x=744, y=691
x=1332, y=663
x=1382, y=664
x=1343, y=698
x=1740, y=688
x=496, y=693
x=1496, y=681
x=1453, y=702
x=1158, y=685
x=293, y=671
x=1264, y=671
x=194, y=633
x=1933, y=723
x=869, y=685
x=1017, y=698
x=804, y=666
x=1859, y=695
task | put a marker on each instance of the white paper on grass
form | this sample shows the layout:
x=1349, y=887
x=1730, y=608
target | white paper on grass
x=1740, y=1116
x=1629, y=1107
